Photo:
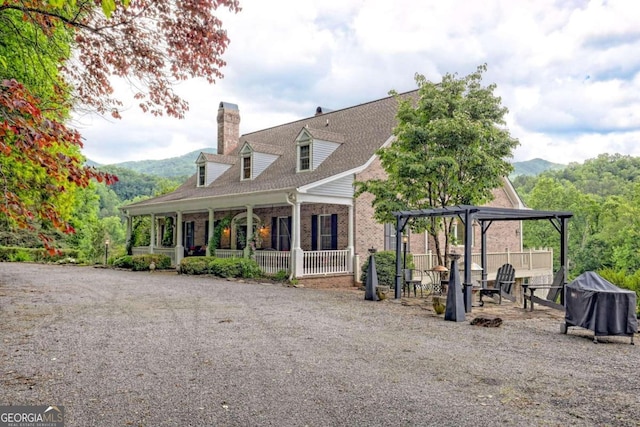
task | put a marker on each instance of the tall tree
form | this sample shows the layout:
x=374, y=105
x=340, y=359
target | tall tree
x=451, y=147
x=152, y=43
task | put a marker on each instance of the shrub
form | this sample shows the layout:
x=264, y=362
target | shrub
x=624, y=280
x=195, y=265
x=281, y=276
x=385, y=267
x=17, y=254
x=21, y=255
x=123, y=262
x=221, y=267
x=142, y=262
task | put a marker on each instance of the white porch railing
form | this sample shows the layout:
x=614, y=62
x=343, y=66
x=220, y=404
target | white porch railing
x=271, y=262
x=144, y=250
x=530, y=263
x=228, y=253
x=326, y=262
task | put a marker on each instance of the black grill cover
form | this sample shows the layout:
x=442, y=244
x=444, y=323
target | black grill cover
x=596, y=304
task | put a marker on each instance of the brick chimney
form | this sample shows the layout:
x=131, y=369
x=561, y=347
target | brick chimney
x=228, y=127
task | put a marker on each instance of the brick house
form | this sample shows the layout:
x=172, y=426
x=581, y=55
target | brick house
x=285, y=195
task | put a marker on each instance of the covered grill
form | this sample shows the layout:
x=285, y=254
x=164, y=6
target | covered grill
x=593, y=303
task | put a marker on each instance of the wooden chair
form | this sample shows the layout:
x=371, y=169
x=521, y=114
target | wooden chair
x=554, y=291
x=505, y=278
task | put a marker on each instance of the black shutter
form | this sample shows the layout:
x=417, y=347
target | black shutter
x=334, y=231
x=289, y=231
x=314, y=232
x=274, y=233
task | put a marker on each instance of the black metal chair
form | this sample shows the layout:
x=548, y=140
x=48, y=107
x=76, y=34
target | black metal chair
x=505, y=278
x=412, y=279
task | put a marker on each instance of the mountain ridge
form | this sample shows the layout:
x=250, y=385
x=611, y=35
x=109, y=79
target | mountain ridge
x=184, y=165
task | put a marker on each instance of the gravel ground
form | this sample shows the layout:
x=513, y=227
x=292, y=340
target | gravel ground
x=118, y=348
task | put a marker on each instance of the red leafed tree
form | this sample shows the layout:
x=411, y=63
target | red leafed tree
x=152, y=43
x=35, y=145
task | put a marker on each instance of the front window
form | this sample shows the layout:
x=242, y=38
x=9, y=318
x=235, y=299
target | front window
x=284, y=235
x=458, y=234
x=246, y=167
x=201, y=175
x=305, y=157
x=389, y=237
x=325, y=232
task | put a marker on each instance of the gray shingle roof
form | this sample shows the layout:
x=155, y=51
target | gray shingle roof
x=362, y=129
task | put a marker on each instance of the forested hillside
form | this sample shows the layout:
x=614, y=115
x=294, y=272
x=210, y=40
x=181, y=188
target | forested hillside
x=174, y=167
x=534, y=167
x=604, y=195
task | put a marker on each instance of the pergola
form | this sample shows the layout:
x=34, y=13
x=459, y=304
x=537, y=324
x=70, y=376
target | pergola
x=485, y=216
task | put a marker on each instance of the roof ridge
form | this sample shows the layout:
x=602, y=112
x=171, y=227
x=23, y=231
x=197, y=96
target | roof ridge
x=331, y=112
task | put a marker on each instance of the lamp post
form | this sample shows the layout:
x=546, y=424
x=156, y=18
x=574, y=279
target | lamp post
x=405, y=240
x=106, y=251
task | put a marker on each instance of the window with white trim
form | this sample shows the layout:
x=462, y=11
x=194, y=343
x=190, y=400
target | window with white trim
x=246, y=166
x=304, y=157
x=201, y=175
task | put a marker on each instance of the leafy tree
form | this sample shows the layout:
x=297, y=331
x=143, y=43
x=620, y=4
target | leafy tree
x=450, y=148
x=604, y=195
x=152, y=43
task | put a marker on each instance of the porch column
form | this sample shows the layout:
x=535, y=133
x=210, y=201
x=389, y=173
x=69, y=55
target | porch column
x=179, y=247
x=350, y=247
x=297, y=266
x=247, y=249
x=128, y=241
x=210, y=236
x=152, y=234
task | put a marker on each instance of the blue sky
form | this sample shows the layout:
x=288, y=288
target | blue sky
x=568, y=71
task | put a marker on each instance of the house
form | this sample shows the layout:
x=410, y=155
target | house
x=285, y=195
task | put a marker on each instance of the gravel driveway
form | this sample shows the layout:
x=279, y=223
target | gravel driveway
x=118, y=348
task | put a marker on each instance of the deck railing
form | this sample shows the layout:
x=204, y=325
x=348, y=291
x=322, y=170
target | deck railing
x=529, y=263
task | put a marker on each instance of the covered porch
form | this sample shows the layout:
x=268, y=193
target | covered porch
x=304, y=235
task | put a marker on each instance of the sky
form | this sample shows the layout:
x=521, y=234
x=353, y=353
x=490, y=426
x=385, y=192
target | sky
x=567, y=70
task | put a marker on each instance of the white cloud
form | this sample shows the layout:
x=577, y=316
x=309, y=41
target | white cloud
x=568, y=71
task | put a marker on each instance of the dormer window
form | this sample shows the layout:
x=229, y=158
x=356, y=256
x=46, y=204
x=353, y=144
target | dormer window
x=246, y=166
x=314, y=146
x=304, y=156
x=201, y=175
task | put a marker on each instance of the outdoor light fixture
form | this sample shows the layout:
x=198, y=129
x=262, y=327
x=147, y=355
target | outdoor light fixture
x=106, y=251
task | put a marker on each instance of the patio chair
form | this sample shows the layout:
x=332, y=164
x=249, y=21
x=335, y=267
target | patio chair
x=505, y=278
x=554, y=290
x=412, y=279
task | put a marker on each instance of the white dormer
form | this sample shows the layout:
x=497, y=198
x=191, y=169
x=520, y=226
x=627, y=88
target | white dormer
x=255, y=158
x=313, y=146
x=210, y=166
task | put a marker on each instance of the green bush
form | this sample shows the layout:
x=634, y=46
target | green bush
x=142, y=262
x=221, y=267
x=622, y=279
x=123, y=262
x=16, y=254
x=281, y=276
x=21, y=255
x=385, y=267
x=195, y=265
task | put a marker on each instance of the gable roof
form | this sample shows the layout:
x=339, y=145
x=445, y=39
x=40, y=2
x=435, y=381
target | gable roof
x=216, y=158
x=361, y=129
